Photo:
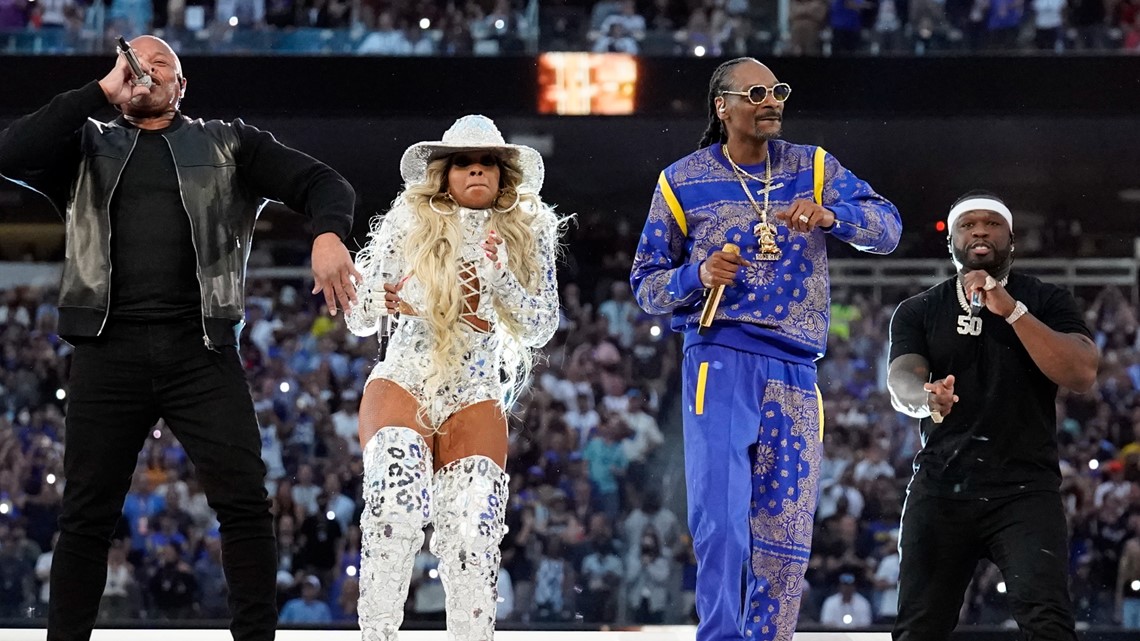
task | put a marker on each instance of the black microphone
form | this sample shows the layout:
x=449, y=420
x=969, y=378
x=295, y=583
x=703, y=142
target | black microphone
x=383, y=334
x=976, y=304
x=385, y=330
x=713, y=301
x=141, y=77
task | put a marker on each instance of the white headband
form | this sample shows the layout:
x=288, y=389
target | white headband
x=983, y=203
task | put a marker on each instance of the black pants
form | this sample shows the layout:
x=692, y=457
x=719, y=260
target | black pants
x=121, y=384
x=942, y=541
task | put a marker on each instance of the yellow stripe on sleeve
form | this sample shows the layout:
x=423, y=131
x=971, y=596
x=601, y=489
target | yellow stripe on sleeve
x=817, y=169
x=673, y=203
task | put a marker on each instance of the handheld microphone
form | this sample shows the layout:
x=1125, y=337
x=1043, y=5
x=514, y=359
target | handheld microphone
x=385, y=318
x=713, y=300
x=141, y=77
x=976, y=304
x=383, y=333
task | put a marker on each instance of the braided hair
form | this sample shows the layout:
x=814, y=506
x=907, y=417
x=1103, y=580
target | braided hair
x=719, y=82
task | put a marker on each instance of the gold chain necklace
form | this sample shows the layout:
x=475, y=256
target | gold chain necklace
x=765, y=232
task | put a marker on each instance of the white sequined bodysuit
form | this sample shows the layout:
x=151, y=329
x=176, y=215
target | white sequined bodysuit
x=408, y=355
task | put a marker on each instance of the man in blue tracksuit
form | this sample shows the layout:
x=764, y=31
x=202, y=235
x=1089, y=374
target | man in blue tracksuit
x=752, y=412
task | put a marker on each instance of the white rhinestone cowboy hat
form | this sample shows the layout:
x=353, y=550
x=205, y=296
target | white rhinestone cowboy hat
x=471, y=133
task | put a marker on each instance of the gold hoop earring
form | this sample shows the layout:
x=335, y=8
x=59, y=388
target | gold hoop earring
x=518, y=197
x=431, y=203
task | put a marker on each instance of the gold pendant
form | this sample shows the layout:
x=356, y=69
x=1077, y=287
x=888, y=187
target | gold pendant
x=767, y=237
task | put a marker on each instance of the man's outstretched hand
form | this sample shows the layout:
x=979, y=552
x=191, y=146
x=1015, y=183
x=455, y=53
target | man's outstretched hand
x=334, y=273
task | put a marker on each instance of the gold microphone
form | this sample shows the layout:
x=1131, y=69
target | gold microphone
x=713, y=300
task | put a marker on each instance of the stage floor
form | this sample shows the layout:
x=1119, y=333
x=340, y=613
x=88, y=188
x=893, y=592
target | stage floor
x=657, y=633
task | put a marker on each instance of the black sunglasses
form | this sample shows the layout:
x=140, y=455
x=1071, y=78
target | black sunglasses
x=757, y=93
x=463, y=160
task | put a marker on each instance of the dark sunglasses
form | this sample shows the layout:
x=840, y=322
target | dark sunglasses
x=757, y=93
x=463, y=160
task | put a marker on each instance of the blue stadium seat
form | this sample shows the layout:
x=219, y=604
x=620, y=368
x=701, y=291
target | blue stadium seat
x=49, y=41
x=306, y=40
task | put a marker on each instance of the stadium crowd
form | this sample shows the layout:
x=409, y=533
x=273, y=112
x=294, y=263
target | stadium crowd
x=596, y=519
x=650, y=27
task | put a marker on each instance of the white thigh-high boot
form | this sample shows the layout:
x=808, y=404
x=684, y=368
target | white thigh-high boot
x=397, y=506
x=470, y=505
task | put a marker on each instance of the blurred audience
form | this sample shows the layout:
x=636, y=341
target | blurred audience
x=596, y=529
x=505, y=27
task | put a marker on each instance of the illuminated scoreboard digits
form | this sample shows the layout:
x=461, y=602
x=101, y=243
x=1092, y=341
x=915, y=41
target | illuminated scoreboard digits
x=583, y=84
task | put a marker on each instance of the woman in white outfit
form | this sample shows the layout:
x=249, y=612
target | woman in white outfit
x=466, y=257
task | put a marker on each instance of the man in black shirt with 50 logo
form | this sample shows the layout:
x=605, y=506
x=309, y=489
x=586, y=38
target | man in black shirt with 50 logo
x=979, y=358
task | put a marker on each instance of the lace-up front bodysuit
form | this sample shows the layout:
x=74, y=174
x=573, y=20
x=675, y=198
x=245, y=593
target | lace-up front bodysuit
x=479, y=376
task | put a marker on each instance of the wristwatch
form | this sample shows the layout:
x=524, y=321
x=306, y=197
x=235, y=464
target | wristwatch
x=1018, y=311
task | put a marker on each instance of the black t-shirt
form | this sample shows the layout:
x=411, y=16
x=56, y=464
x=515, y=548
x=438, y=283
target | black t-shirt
x=153, y=267
x=321, y=537
x=648, y=359
x=1000, y=437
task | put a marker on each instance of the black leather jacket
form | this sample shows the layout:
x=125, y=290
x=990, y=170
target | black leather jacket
x=226, y=171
